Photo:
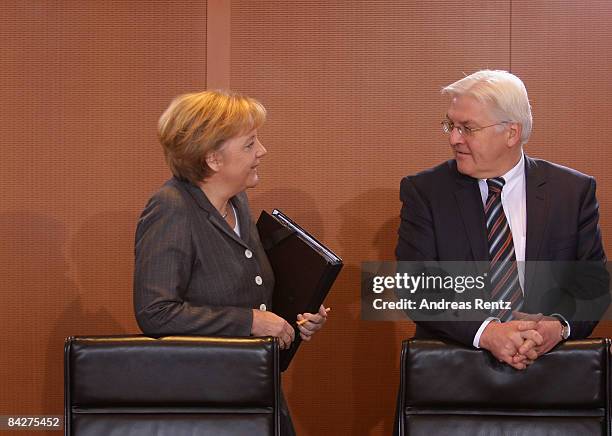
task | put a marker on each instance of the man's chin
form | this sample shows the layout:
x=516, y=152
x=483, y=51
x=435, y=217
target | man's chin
x=465, y=169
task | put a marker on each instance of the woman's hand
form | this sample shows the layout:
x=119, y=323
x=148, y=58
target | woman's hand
x=269, y=324
x=309, y=323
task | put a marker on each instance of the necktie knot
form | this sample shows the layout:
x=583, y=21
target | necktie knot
x=496, y=184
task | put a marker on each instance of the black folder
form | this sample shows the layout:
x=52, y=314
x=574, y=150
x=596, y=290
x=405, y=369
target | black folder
x=304, y=271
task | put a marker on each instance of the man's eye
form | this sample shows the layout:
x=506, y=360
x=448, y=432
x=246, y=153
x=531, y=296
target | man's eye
x=250, y=144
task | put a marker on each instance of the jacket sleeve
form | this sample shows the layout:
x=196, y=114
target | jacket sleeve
x=416, y=243
x=416, y=236
x=593, y=277
x=164, y=256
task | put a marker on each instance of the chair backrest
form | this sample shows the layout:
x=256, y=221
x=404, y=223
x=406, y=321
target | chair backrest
x=452, y=389
x=175, y=385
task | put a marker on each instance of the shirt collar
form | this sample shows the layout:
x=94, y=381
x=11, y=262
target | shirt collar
x=515, y=175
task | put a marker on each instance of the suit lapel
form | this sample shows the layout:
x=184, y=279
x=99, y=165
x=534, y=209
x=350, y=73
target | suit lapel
x=537, y=208
x=537, y=199
x=217, y=220
x=471, y=209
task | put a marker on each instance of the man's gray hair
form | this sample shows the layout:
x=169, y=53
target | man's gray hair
x=504, y=92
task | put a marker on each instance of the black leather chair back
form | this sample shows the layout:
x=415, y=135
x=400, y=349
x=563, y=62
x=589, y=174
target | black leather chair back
x=454, y=390
x=175, y=385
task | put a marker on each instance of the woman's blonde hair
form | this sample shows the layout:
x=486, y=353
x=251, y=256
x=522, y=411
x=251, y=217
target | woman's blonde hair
x=198, y=123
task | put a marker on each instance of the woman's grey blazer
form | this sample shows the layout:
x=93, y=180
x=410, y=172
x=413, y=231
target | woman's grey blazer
x=193, y=274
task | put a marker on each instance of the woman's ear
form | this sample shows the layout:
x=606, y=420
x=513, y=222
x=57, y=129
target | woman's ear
x=214, y=160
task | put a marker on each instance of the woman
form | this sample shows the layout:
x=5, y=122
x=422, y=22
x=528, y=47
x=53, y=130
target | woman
x=200, y=267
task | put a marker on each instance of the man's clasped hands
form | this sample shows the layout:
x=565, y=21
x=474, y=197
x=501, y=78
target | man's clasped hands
x=522, y=340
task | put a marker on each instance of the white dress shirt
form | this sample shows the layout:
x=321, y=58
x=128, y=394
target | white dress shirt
x=237, y=226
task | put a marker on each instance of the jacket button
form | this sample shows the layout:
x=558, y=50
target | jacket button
x=262, y=307
x=248, y=253
x=258, y=280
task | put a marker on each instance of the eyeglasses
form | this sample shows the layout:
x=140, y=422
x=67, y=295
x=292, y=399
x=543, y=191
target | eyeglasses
x=448, y=126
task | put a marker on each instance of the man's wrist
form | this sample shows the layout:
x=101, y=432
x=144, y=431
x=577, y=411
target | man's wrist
x=484, y=337
x=565, y=327
x=480, y=331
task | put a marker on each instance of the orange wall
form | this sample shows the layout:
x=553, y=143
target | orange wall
x=352, y=89
x=83, y=83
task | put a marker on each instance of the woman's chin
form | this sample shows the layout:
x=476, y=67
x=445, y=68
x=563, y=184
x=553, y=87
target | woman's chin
x=253, y=181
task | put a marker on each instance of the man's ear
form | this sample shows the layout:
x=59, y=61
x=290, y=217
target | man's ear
x=214, y=160
x=514, y=134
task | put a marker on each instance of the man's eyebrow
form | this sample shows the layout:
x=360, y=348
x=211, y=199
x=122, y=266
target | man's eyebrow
x=458, y=122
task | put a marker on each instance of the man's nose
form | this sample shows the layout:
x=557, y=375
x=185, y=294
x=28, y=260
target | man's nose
x=455, y=137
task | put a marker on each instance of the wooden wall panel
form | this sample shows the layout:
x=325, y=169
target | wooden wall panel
x=352, y=89
x=562, y=49
x=82, y=86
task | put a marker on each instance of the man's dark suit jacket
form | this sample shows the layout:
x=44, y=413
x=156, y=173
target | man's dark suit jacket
x=442, y=219
x=193, y=274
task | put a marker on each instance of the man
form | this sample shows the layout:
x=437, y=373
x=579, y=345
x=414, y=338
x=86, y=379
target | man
x=493, y=203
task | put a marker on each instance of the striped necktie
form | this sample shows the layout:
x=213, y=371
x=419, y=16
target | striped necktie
x=503, y=273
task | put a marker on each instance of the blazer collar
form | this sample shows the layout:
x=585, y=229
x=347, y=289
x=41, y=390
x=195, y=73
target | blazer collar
x=538, y=205
x=471, y=210
x=240, y=205
x=537, y=199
